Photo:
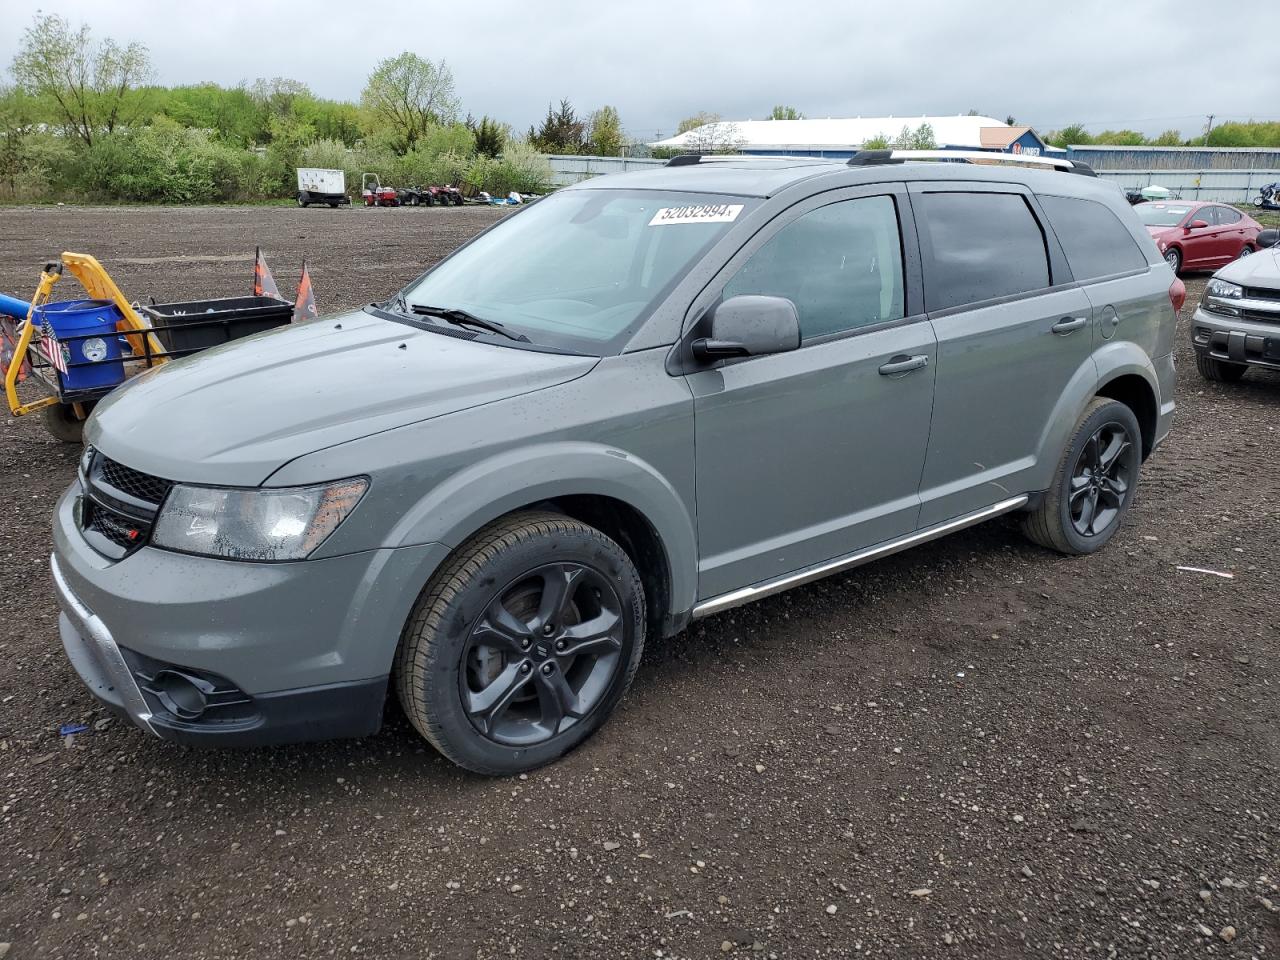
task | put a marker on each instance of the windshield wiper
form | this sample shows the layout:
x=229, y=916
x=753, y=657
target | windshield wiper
x=461, y=318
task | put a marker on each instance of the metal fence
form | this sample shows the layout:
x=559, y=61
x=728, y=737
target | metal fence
x=571, y=169
x=1228, y=186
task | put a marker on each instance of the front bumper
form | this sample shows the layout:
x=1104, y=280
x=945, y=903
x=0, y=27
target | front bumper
x=285, y=651
x=1236, y=339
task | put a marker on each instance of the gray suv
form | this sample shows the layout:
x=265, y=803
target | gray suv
x=645, y=399
x=1234, y=327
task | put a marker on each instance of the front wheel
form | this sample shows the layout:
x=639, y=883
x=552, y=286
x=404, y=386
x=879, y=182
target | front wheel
x=1245, y=251
x=1094, y=483
x=1173, y=258
x=1219, y=371
x=522, y=644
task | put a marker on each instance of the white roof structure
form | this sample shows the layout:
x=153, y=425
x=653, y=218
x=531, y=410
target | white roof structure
x=836, y=134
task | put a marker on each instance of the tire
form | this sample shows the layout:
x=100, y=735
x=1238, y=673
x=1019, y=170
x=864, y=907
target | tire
x=493, y=700
x=1219, y=371
x=1245, y=251
x=1173, y=257
x=61, y=422
x=1054, y=524
x=333, y=204
x=303, y=200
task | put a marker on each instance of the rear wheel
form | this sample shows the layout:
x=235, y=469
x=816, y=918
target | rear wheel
x=1094, y=484
x=1173, y=257
x=1219, y=371
x=334, y=204
x=61, y=422
x=522, y=643
x=303, y=200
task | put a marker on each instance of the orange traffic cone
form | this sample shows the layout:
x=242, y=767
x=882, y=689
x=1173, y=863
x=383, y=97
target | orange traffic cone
x=304, y=308
x=264, y=284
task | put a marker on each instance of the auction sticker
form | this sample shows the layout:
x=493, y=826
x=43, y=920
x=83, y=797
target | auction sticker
x=697, y=213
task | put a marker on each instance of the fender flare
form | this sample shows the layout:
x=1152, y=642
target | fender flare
x=488, y=489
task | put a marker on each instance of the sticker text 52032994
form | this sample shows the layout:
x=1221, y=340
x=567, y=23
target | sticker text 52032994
x=697, y=213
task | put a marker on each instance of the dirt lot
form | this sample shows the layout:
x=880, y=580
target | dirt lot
x=976, y=749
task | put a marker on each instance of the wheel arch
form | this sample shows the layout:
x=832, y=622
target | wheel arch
x=620, y=494
x=1137, y=394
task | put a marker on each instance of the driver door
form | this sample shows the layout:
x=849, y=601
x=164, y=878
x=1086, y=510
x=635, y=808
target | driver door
x=805, y=456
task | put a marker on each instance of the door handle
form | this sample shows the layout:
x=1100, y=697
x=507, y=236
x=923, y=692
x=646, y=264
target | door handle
x=903, y=364
x=1069, y=324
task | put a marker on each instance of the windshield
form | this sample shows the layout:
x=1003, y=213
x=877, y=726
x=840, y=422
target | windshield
x=581, y=269
x=1161, y=214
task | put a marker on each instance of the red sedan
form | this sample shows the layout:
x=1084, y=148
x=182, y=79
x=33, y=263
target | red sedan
x=1199, y=236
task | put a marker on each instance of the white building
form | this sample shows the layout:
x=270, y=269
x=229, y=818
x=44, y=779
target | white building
x=842, y=138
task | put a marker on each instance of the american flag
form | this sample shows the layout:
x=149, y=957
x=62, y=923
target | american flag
x=54, y=350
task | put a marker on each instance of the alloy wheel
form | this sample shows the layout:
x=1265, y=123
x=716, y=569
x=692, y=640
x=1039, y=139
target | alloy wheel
x=543, y=654
x=1101, y=480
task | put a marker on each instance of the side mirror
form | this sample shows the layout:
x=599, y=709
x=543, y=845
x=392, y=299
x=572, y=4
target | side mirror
x=1197, y=225
x=750, y=326
x=1268, y=238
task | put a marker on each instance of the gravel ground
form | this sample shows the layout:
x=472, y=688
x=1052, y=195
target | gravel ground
x=974, y=749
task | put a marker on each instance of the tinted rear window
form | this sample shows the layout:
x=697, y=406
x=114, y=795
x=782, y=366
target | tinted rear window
x=983, y=246
x=1095, y=241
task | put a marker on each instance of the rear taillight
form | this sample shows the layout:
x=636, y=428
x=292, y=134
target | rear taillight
x=1177, y=294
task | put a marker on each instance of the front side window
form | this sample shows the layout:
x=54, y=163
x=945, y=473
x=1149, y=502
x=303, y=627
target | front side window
x=1096, y=243
x=581, y=269
x=984, y=246
x=841, y=265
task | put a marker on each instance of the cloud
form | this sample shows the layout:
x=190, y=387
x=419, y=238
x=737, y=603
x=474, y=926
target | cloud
x=1140, y=63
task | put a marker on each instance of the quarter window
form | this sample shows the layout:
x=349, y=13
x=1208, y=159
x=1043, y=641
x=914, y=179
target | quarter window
x=1096, y=243
x=841, y=265
x=983, y=246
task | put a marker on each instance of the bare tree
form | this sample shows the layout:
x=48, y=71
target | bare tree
x=407, y=94
x=721, y=136
x=701, y=118
x=93, y=85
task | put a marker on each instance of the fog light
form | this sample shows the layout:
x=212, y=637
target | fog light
x=180, y=694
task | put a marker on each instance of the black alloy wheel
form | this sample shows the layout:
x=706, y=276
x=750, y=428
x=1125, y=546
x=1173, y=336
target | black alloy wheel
x=1101, y=479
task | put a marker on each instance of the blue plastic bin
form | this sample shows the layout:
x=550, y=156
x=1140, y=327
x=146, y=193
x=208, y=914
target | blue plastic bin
x=79, y=326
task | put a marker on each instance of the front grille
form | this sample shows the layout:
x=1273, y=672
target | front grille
x=1260, y=316
x=119, y=506
x=1261, y=293
x=134, y=483
x=121, y=532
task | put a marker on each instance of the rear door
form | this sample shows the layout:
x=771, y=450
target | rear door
x=808, y=455
x=1233, y=235
x=1106, y=260
x=1013, y=331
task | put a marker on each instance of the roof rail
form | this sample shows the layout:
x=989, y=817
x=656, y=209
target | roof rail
x=690, y=159
x=868, y=158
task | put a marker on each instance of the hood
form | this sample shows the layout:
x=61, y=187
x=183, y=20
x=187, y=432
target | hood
x=1164, y=233
x=1261, y=269
x=234, y=414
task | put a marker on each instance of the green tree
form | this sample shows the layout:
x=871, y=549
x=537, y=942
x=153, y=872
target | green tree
x=406, y=93
x=921, y=138
x=1072, y=133
x=1170, y=138
x=604, y=133
x=491, y=137
x=93, y=86
x=785, y=113
x=1250, y=134
x=1121, y=138
x=878, y=142
x=561, y=131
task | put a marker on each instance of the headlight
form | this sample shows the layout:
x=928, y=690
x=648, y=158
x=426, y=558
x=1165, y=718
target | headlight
x=1218, y=297
x=283, y=523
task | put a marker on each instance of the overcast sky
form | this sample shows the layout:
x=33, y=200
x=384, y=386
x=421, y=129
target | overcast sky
x=1142, y=64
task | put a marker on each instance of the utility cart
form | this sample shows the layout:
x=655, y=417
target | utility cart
x=78, y=351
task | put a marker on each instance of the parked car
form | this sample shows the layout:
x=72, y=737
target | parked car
x=1236, y=323
x=645, y=399
x=1199, y=236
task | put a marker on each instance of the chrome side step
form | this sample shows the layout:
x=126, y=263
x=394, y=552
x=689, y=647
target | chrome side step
x=737, y=598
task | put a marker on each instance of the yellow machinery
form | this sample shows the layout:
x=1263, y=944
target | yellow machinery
x=99, y=285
